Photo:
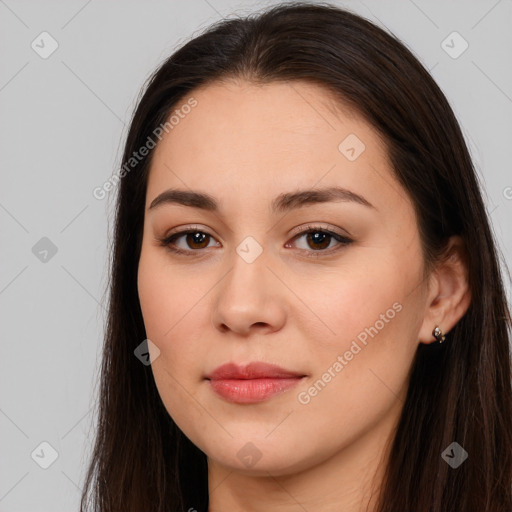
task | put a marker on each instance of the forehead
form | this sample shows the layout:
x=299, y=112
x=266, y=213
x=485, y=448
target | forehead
x=271, y=119
x=249, y=139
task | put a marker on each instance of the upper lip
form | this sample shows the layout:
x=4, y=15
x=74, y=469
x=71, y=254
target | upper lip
x=254, y=370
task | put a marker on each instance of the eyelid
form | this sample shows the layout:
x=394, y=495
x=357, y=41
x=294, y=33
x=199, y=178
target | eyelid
x=327, y=227
x=299, y=230
x=185, y=228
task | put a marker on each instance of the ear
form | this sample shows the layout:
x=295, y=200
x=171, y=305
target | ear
x=448, y=296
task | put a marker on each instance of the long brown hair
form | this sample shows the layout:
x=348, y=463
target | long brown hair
x=459, y=391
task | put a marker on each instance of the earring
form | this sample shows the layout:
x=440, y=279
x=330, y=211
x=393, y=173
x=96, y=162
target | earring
x=438, y=334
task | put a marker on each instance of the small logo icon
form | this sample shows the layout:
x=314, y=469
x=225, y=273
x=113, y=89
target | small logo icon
x=147, y=352
x=454, y=455
x=44, y=250
x=249, y=455
x=351, y=147
x=44, y=45
x=44, y=455
x=249, y=249
x=454, y=45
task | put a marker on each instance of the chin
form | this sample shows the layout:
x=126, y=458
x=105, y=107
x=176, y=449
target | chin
x=261, y=457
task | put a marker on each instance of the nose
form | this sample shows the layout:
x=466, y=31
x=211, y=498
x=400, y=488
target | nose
x=249, y=298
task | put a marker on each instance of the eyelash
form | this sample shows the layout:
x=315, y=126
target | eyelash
x=343, y=241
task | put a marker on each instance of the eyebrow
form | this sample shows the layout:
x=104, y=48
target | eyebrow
x=282, y=203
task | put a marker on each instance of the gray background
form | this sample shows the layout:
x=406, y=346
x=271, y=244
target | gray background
x=62, y=125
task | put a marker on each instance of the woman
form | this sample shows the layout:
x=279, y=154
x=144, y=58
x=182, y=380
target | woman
x=302, y=254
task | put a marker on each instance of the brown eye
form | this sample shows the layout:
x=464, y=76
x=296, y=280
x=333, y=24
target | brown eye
x=318, y=240
x=198, y=238
x=194, y=241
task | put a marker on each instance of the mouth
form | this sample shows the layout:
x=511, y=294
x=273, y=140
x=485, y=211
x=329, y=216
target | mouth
x=252, y=383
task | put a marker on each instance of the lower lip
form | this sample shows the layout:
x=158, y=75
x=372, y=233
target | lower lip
x=250, y=391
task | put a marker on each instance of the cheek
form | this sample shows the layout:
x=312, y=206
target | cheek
x=167, y=304
x=168, y=311
x=173, y=309
x=370, y=322
x=165, y=294
x=345, y=303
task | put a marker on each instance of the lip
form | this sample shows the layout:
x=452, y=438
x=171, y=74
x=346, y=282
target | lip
x=251, y=383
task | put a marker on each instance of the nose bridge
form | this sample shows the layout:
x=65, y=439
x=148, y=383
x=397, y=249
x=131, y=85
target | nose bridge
x=247, y=295
x=247, y=283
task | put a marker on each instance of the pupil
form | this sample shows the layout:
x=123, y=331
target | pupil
x=197, y=238
x=319, y=238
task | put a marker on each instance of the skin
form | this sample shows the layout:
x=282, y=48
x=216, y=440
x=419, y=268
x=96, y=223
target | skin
x=245, y=144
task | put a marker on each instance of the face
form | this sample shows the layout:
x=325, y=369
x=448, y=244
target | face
x=326, y=286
